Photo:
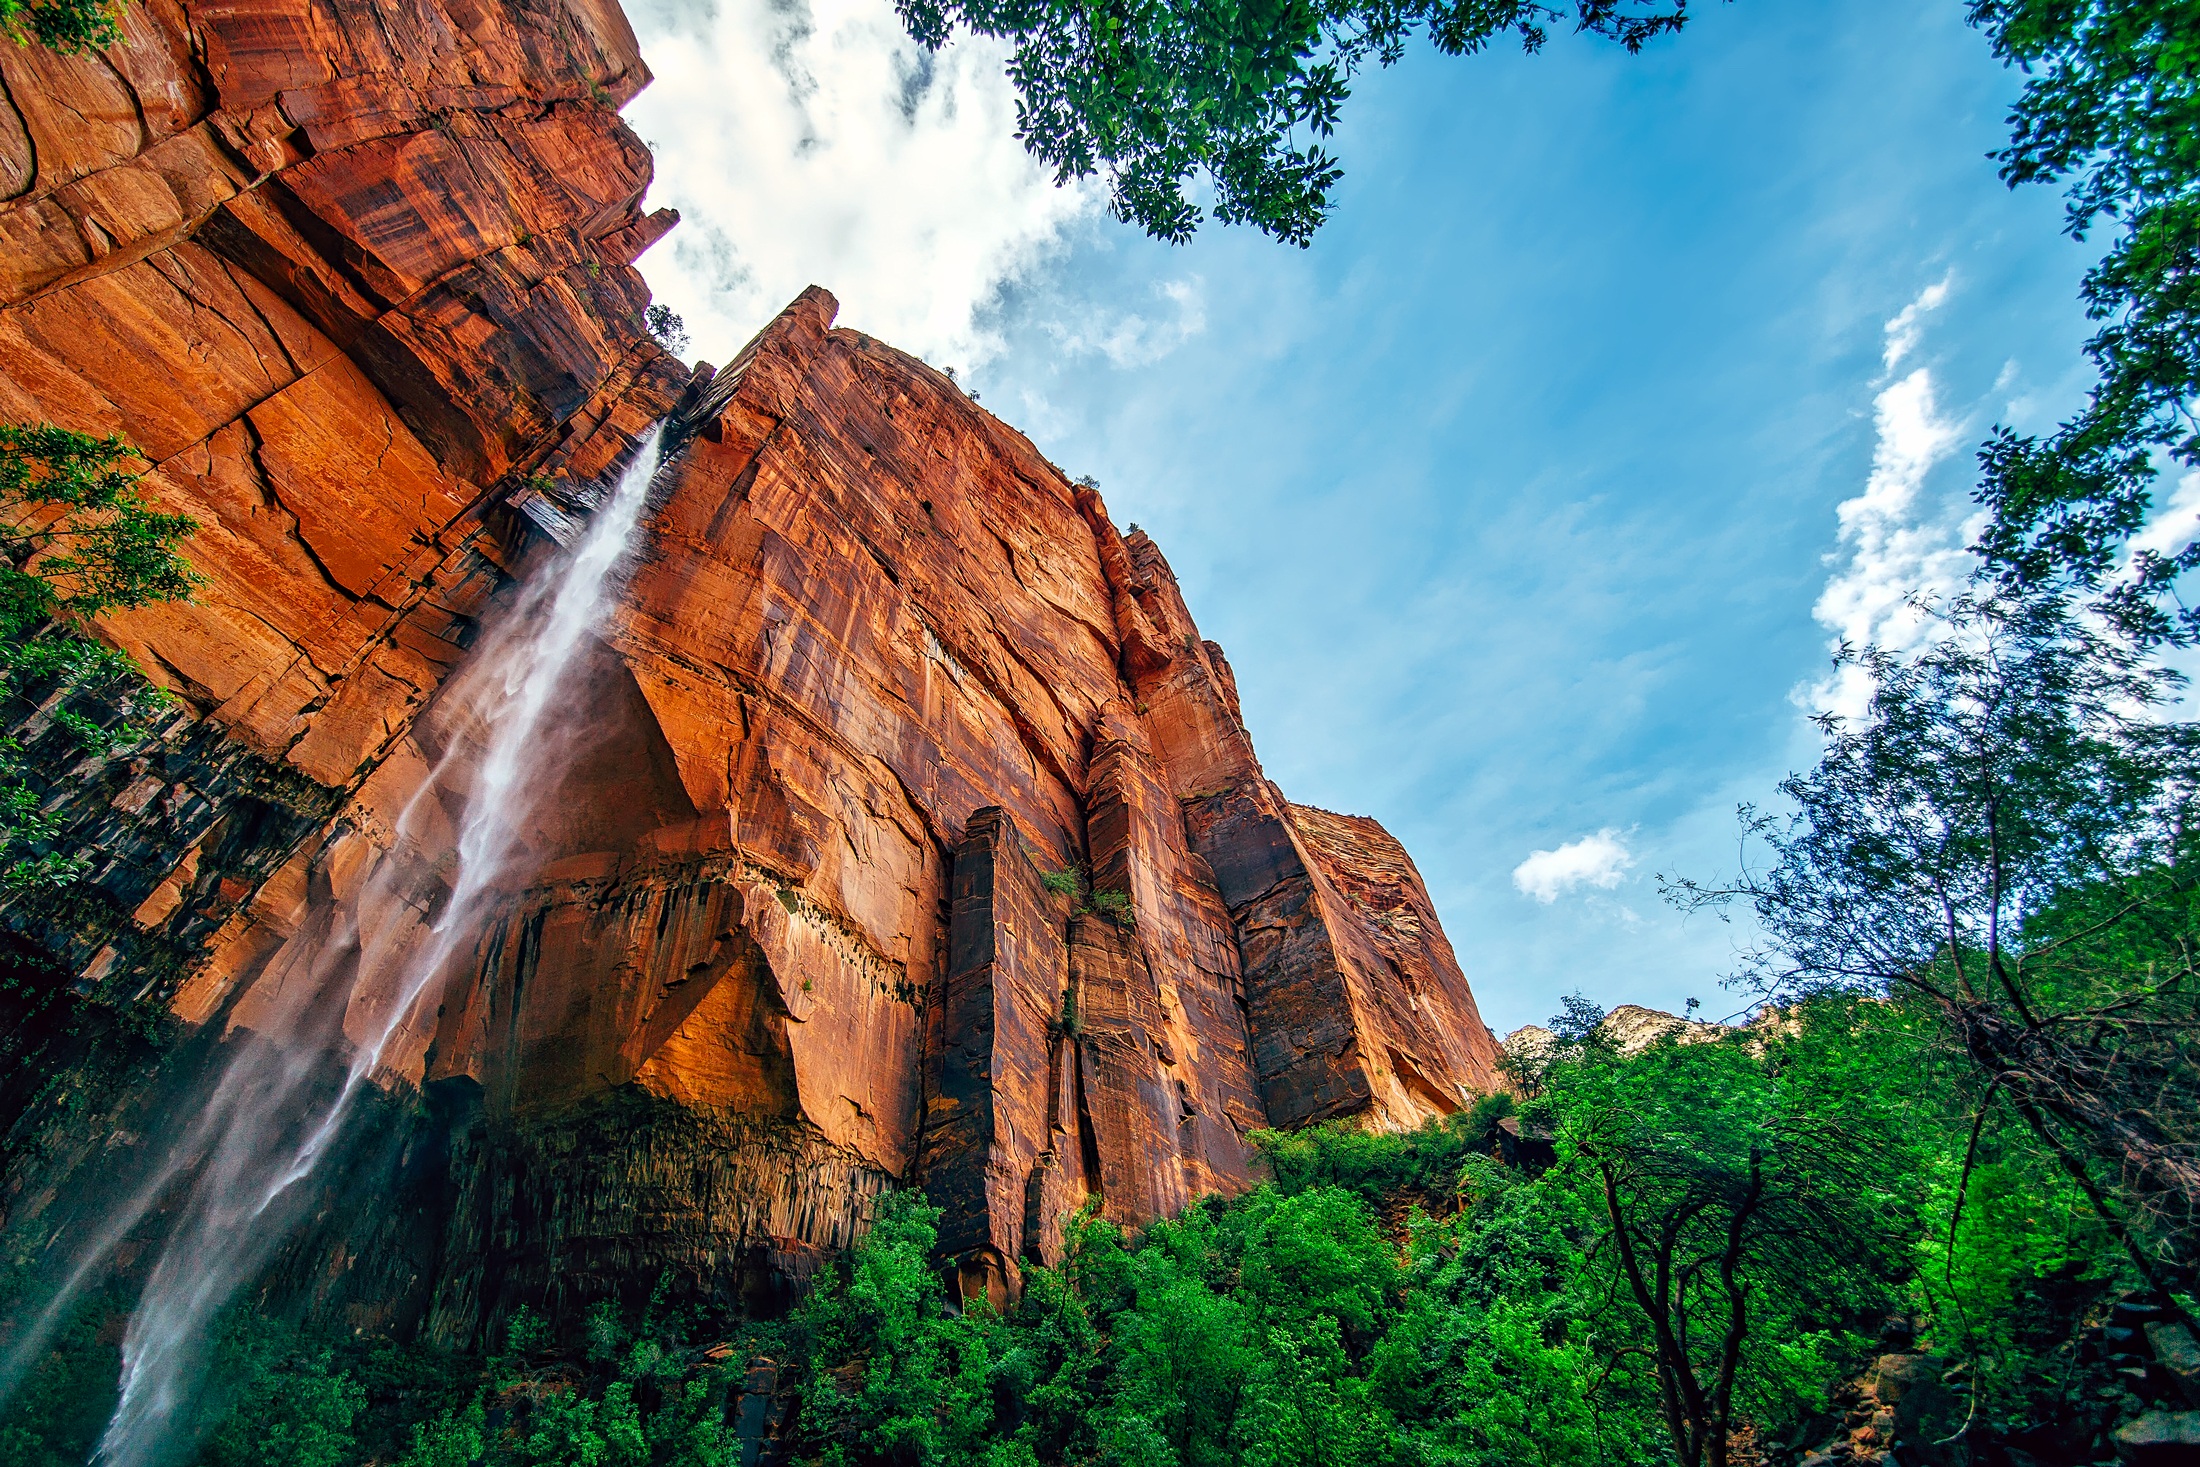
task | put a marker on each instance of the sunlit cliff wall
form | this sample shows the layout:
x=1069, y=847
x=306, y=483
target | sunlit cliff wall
x=357, y=279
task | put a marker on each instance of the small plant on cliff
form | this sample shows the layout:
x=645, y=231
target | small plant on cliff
x=1074, y=882
x=1115, y=906
x=67, y=26
x=77, y=538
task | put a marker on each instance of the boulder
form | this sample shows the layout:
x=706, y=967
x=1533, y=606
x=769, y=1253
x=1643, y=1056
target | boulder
x=2173, y=1346
x=2159, y=1439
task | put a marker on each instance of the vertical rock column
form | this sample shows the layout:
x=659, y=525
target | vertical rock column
x=1125, y=1096
x=991, y=1117
x=1173, y=987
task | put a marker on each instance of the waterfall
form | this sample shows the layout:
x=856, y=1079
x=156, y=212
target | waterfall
x=273, y=1115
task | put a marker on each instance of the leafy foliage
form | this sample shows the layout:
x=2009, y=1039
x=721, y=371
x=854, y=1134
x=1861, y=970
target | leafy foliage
x=1164, y=99
x=57, y=1410
x=910, y=1383
x=67, y=26
x=2112, y=109
x=303, y=1411
x=1075, y=882
x=77, y=538
x=1745, y=1202
x=666, y=325
x=2006, y=836
x=1407, y=1299
x=1386, y=1301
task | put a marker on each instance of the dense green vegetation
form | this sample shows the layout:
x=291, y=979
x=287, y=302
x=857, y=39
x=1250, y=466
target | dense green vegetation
x=1968, y=1117
x=2007, y=838
x=1964, y=1122
x=1730, y=1229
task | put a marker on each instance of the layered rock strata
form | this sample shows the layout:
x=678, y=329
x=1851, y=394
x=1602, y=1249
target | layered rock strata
x=917, y=834
x=339, y=270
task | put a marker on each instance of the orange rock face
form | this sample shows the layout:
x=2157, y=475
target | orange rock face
x=917, y=835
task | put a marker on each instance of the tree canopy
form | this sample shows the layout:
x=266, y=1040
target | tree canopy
x=2007, y=835
x=1165, y=98
x=2110, y=109
x=1731, y=1228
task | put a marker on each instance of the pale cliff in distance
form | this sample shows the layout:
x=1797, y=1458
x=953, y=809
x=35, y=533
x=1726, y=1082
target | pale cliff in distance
x=356, y=275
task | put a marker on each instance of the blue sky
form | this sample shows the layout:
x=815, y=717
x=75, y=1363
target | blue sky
x=1518, y=500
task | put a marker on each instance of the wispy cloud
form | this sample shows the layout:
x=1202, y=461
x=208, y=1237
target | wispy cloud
x=1895, y=540
x=1907, y=329
x=1131, y=339
x=811, y=142
x=1599, y=860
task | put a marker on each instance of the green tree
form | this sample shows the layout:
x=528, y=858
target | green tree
x=1304, y=1405
x=1744, y=1208
x=77, y=538
x=2111, y=108
x=893, y=1377
x=456, y=1439
x=301, y=1415
x=1162, y=98
x=2006, y=837
x=1487, y=1362
x=639, y=1398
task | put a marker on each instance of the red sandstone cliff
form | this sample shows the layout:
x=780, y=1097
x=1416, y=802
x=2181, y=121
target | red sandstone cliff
x=356, y=276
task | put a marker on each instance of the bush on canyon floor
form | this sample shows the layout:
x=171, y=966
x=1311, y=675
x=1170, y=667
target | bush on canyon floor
x=641, y=1397
x=58, y=1404
x=1408, y=1299
x=1384, y=1301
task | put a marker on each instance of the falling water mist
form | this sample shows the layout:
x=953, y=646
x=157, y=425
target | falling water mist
x=277, y=1110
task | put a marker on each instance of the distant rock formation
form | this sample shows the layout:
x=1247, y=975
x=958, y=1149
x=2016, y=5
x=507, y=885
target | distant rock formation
x=356, y=276
x=1630, y=1029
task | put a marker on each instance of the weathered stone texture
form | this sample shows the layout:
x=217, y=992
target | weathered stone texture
x=1409, y=997
x=355, y=275
x=336, y=268
x=993, y=1112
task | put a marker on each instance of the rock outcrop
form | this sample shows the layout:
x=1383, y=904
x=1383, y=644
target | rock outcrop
x=918, y=834
x=1629, y=1029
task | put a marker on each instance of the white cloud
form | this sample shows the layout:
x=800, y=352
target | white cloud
x=1907, y=328
x=1895, y=544
x=1599, y=860
x=2175, y=524
x=814, y=143
x=1129, y=339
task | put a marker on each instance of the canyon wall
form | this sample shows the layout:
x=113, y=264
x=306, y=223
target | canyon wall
x=918, y=836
